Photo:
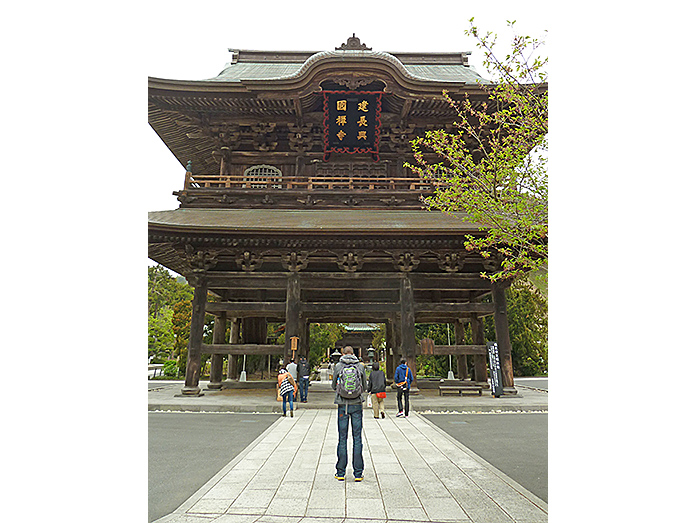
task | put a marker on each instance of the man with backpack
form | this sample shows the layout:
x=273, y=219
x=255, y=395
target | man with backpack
x=349, y=382
x=402, y=380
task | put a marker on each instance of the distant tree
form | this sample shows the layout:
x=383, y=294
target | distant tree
x=323, y=336
x=169, y=315
x=160, y=335
x=494, y=167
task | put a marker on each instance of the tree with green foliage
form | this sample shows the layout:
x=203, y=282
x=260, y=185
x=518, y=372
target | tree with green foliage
x=160, y=335
x=323, y=336
x=494, y=167
x=169, y=316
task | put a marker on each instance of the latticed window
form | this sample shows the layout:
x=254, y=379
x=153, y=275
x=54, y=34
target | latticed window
x=263, y=177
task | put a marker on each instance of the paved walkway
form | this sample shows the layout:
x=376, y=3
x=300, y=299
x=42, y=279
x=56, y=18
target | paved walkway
x=414, y=473
x=166, y=396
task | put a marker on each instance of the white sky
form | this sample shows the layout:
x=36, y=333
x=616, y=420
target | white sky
x=82, y=168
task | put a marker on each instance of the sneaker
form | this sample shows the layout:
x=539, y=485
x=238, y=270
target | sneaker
x=400, y=414
x=340, y=477
x=383, y=415
x=291, y=413
x=358, y=478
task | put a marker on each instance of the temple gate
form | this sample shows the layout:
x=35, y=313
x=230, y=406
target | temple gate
x=297, y=208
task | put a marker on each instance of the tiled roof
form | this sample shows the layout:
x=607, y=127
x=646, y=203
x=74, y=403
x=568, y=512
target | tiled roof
x=315, y=221
x=260, y=66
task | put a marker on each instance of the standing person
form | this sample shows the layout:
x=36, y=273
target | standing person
x=287, y=387
x=292, y=367
x=349, y=382
x=402, y=379
x=377, y=387
x=303, y=378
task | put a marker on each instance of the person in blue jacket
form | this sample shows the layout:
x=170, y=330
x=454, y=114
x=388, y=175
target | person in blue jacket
x=403, y=376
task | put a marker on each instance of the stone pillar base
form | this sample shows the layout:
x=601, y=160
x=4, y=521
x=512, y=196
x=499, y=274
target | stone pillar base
x=215, y=386
x=191, y=391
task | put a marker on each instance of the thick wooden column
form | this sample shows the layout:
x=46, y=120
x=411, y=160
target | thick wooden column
x=407, y=323
x=462, y=370
x=198, y=316
x=305, y=342
x=219, y=325
x=293, y=325
x=232, y=373
x=478, y=339
x=390, y=349
x=502, y=337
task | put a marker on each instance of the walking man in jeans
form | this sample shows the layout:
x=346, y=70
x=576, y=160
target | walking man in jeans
x=303, y=378
x=402, y=379
x=349, y=382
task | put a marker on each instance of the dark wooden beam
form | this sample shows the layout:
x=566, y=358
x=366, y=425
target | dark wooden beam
x=349, y=308
x=440, y=350
x=240, y=349
x=239, y=308
x=343, y=280
x=459, y=307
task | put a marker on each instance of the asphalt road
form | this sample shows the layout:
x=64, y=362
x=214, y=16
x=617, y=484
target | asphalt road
x=516, y=444
x=186, y=449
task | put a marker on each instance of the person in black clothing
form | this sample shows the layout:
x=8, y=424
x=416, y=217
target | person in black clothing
x=303, y=378
x=377, y=388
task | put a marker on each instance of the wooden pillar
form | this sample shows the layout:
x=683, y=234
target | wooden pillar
x=390, y=349
x=219, y=325
x=198, y=317
x=293, y=325
x=502, y=337
x=407, y=323
x=232, y=373
x=478, y=339
x=305, y=341
x=462, y=370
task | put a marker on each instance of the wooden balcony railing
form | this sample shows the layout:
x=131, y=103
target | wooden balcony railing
x=307, y=183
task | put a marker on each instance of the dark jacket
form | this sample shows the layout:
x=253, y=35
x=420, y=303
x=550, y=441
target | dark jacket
x=376, y=382
x=348, y=359
x=401, y=373
x=303, y=368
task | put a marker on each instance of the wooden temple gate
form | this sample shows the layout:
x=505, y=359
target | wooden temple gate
x=281, y=224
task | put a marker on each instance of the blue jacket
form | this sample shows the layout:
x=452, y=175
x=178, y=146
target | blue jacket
x=401, y=372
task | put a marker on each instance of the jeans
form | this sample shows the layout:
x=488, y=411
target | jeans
x=404, y=393
x=303, y=384
x=287, y=397
x=355, y=413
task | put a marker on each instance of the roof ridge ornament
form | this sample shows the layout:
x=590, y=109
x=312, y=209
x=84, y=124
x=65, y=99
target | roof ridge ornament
x=353, y=44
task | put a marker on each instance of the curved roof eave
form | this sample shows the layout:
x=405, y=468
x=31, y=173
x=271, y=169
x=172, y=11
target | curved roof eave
x=278, y=74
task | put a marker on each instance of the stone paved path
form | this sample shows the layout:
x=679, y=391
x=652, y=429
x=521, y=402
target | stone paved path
x=414, y=472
